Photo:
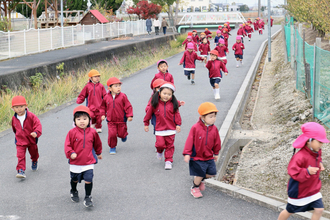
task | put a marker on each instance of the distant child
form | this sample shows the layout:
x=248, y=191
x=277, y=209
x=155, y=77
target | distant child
x=222, y=51
x=189, y=40
x=94, y=92
x=249, y=30
x=195, y=37
x=185, y=41
x=208, y=33
x=304, y=169
x=261, y=26
x=220, y=28
x=238, y=47
x=27, y=129
x=168, y=122
x=203, y=35
x=256, y=24
x=163, y=73
x=241, y=32
x=225, y=36
x=249, y=21
x=227, y=25
x=202, y=148
x=82, y=147
x=215, y=66
x=204, y=48
x=271, y=21
x=117, y=110
x=188, y=60
x=218, y=37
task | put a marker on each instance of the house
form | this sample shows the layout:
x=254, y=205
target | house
x=93, y=17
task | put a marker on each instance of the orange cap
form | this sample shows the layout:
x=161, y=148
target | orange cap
x=202, y=33
x=225, y=24
x=206, y=29
x=18, y=100
x=206, y=108
x=113, y=80
x=82, y=108
x=93, y=73
x=214, y=52
x=157, y=83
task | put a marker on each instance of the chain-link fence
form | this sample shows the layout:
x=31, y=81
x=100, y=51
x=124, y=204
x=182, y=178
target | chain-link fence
x=312, y=68
x=18, y=43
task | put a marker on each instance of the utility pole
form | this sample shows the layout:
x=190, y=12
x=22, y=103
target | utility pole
x=259, y=7
x=269, y=33
x=62, y=31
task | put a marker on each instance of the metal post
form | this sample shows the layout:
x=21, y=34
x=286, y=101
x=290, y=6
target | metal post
x=314, y=82
x=72, y=35
x=62, y=31
x=24, y=42
x=8, y=43
x=38, y=40
x=269, y=34
x=51, y=38
x=259, y=7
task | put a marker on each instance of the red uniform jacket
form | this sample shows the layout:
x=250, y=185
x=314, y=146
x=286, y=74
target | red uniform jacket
x=222, y=50
x=256, y=25
x=238, y=48
x=225, y=37
x=214, y=68
x=203, y=142
x=195, y=38
x=204, y=49
x=188, y=59
x=208, y=32
x=31, y=124
x=167, y=77
x=117, y=110
x=241, y=31
x=94, y=94
x=301, y=184
x=166, y=118
x=262, y=25
x=83, y=142
x=249, y=29
x=250, y=22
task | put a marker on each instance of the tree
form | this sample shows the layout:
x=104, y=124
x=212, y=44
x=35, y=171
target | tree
x=263, y=8
x=34, y=6
x=244, y=8
x=144, y=10
x=167, y=5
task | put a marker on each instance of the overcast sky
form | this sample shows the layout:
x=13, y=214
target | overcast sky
x=255, y=2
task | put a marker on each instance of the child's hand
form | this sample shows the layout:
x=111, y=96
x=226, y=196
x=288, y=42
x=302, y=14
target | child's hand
x=103, y=117
x=215, y=158
x=178, y=129
x=146, y=128
x=321, y=167
x=313, y=170
x=73, y=156
x=33, y=134
x=129, y=118
x=234, y=49
x=182, y=103
x=180, y=64
x=226, y=74
x=99, y=157
x=186, y=158
x=241, y=46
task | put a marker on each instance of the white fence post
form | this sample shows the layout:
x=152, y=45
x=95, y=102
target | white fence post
x=62, y=33
x=38, y=40
x=83, y=33
x=93, y=31
x=24, y=42
x=118, y=28
x=72, y=35
x=125, y=27
x=51, y=38
x=130, y=23
x=8, y=43
x=102, y=29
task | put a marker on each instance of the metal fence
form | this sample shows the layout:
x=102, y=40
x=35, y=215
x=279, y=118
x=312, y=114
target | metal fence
x=312, y=67
x=18, y=43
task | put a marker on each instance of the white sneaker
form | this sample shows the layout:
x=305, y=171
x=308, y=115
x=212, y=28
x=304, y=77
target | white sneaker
x=93, y=126
x=237, y=66
x=217, y=96
x=159, y=156
x=99, y=130
x=168, y=165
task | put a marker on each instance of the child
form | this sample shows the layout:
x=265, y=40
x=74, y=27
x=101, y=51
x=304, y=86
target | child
x=188, y=60
x=118, y=110
x=227, y=26
x=261, y=26
x=195, y=37
x=241, y=31
x=203, y=35
x=82, y=147
x=304, y=169
x=249, y=31
x=222, y=51
x=202, y=148
x=27, y=129
x=225, y=36
x=214, y=65
x=189, y=40
x=256, y=24
x=204, y=48
x=94, y=92
x=218, y=37
x=168, y=121
x=249, y=21
x=163, y=73
x=185, y=41
x=208, y=33
x=238, y=47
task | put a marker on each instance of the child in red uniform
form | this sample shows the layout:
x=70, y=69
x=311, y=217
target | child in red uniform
x=256, y=24
x=118, y=110
x=163, y=73
x=189, y=40
x=203, y=35
x=225, y=36
x=82, y=147
x=27, y=129
x=228, y=26
x=238, y=47
x=222, y=51
x=168, y=121
x=241, y=31
x=215, y=66
x=188, y=60
x=249, y=21
x=249, y=30
x=261, y=26
x=208, y=33
x=202, y=148
x=94, y=92
x=195, y=37
x=204, y=48
x=304, y=169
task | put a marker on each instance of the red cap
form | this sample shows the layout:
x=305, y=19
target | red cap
x=18, y=100
x=113, y=80
x=189, y=33
x=158, y=83
x=194, y=31
x=82, y=108
x=214, y=52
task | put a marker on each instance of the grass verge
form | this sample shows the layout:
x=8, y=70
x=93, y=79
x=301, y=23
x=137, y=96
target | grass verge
x=45, y=94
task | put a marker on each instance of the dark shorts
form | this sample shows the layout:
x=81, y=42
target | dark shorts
x=239, y=56
x=188, y=72
x=311, y=206
x=215, y=80
x=201, y=168
x=86, y=175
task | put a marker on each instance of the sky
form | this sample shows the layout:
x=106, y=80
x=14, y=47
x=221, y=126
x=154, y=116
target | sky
x=255, y=2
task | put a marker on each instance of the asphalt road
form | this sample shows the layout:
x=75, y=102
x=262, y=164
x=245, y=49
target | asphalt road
x=131, y=184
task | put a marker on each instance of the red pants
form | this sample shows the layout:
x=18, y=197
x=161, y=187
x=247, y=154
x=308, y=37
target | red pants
x=21, y=151
x=114, y=130
x=96, y=119
x=166, y=143
x=260, y=31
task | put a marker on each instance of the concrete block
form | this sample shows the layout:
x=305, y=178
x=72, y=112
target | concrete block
x=223, y=187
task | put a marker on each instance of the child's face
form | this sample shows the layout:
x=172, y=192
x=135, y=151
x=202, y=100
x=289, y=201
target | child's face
x=213, y=57
x=221, y=44
x=115, y=88
x=95, y=79
x=163, y=67
x=205, y=41
x=238, y=41
x=315, y=145
x=209, y=119
x=188, y=39
x=19, y=109
x=218, y=34
x=194, y=33
x=82, y=121
x=202, y=35
x=166, y=94
x=190, y=50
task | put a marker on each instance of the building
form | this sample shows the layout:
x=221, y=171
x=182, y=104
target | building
x=93, y=17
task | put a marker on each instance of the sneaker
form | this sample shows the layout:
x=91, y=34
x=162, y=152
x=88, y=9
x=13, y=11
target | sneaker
x=237, y=66
x=99, y=130
x=20, y=174
x=113, y=150
x=74, y=196
x=192, y=82
x=196, y=193
x=217, y=96
x=34, y=165
x=159, y=156
x=249, y=39
x=188, y=77
x=168, y=165
x=124, y=139
x=88, y=201
x=202, y=186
